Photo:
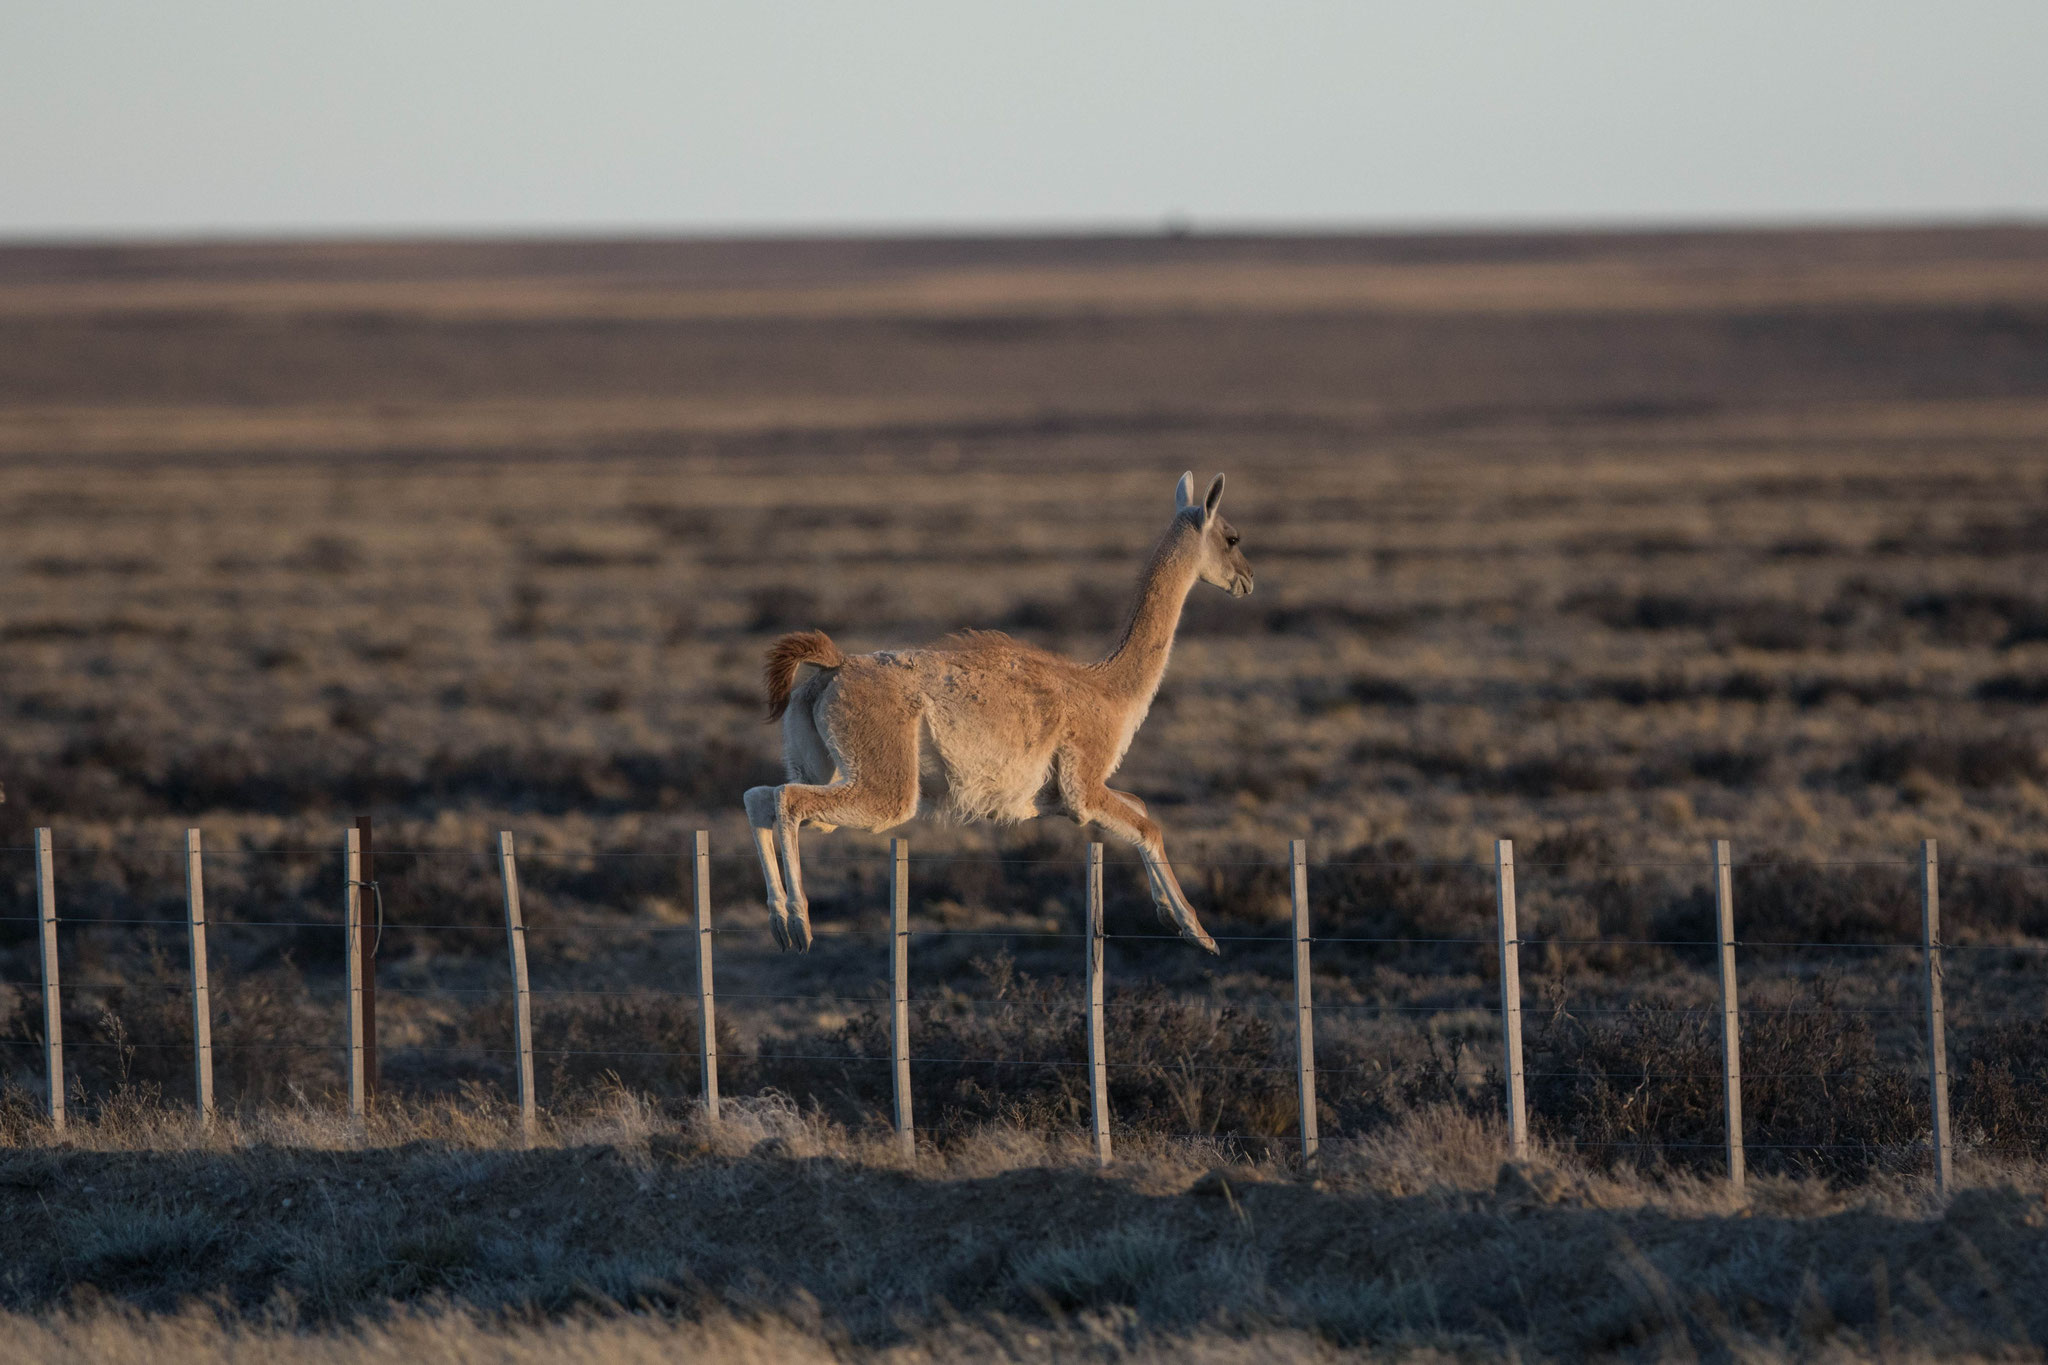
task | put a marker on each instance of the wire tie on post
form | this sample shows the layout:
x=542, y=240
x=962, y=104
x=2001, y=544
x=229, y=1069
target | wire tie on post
x=378, y=893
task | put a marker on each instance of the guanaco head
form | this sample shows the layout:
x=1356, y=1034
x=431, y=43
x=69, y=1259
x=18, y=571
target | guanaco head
x=1221, y=563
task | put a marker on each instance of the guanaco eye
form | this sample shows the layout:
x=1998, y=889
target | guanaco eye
x=1230, y=539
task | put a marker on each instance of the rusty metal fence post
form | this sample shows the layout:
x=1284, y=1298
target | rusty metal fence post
x=352, y=943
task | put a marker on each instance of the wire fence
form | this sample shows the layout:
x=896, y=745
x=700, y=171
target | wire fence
x=361, y=927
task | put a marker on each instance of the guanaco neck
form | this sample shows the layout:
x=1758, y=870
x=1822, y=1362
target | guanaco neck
x=1133, y=669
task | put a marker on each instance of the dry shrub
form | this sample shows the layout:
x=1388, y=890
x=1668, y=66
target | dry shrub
x=1386, y=891
x=1318, y=695
x=124, y=1035
x=1542, y=777
x=1984, y=616
x=1033, y=874
x=462, y=897
x=786, y=606
x=1993, y=899
x=274, y=1038
x=1976, y=762
x=2025, y=689
x=1777, y=899
x=21, y=1114
x=1781, y=899
x=1088, y=608
x=104, y=773
x=1259, y=769
x=1644, y=1088
x=1645, y=611
x=647, y=1044
x=1669, y=687
x=2001, y=1088
x=1823, y=691
x=1316, y=617
x=1761, y=625
x=1017, y=1052
x=1243, y=889
x=567, y=886
x=1376, y=1091
x=1860, y=613
x=1587, y=915
x=1369, y=689
x=1728, y=767
x=1557, y=775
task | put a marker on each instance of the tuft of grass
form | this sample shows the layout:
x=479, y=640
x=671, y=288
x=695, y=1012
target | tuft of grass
x=624, y=1232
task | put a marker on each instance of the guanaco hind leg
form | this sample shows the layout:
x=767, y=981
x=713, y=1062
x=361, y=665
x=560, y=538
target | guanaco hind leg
x=878, y=789
x=763, y=813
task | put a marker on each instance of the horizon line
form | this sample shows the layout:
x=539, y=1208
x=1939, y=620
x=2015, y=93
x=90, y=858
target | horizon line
x=1168, y=227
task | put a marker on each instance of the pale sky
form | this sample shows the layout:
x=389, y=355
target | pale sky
x=188, y=117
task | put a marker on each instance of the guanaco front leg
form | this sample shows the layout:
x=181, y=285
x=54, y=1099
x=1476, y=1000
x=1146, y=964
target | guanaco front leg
x=1123, y=815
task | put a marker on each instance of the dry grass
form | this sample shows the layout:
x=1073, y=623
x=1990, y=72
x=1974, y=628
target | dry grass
x=779, y=1231
x=463, y=1339
x=1611, y=545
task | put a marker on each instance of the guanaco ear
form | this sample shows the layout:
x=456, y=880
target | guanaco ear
x=1184, y=494
x=1215, y=497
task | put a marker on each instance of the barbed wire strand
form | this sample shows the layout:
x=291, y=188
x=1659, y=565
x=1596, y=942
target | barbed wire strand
x=683, y=854
x=882, y=932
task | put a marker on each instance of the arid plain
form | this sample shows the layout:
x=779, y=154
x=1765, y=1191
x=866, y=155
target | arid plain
x=1608, y=544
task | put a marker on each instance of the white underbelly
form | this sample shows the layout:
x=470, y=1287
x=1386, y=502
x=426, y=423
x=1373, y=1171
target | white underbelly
x=963, y=781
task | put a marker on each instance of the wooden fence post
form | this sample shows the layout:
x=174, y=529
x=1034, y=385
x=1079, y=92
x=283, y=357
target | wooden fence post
x=202, y=1006
x=1510, y=996
x=352, y=943
x=1098, y=1062
x=522, y=995
x=53, y=1009
x=367, y=951
x=1731, y=1019
x=899, y=989
x=1937, y=1033
x=707, y=1008
x=1304, y=1009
